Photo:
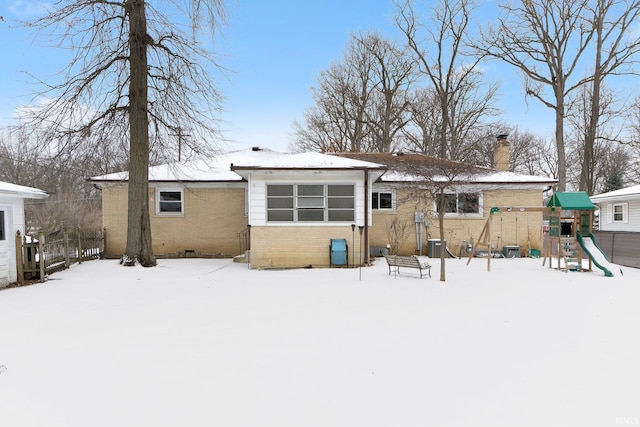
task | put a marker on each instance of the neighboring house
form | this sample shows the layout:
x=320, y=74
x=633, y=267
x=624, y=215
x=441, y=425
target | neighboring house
x=619, y=225
x=12, y=220
x=619, y=209
x=293, y=205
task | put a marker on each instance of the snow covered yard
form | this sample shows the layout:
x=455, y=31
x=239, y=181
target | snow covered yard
x=210, y=343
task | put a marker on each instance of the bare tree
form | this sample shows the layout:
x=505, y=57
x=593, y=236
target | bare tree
x=439, y=46
x=361, y=101
x=616, y=48
x=545, y=40
x=436, y=181
x=135, y=75
x=422, y=133
x=587, y=156
x=394, y=74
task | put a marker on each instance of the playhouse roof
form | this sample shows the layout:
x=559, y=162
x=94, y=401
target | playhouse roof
x=572, y=201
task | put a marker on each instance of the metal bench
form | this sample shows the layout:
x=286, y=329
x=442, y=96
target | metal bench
x=398, y=261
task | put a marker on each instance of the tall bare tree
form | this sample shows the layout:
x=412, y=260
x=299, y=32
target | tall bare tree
x=394, y=74
x=360, y=101
x=440, y=47
x=616, y=46
x=545, y=40
x=136, y=75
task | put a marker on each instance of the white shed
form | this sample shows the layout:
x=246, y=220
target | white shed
x=12, y=198
x=619, y=209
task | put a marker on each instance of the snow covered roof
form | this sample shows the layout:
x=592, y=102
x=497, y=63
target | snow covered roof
x=411, y=167
x=8, y=189
x=391, y=167
x=311, y=160
x=230, y=166
x=201, y=170
x=624, y=193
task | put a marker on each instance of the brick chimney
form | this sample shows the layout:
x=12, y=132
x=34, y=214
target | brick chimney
x=501, y=153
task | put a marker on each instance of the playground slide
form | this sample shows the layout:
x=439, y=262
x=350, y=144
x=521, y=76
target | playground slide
x=594, y=252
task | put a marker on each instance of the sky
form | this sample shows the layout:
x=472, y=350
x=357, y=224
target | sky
x=209, y=342
x=274, y=52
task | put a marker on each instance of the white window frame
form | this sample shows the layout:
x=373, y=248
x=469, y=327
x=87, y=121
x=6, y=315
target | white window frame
x=624, y=212
x=159, y=192
x=323, y=202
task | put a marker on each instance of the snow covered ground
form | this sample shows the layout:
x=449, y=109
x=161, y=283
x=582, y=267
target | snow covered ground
x=198, y=342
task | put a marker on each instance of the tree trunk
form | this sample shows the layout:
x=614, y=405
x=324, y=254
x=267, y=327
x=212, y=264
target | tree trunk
x=560, y=147
x=138, y=227
x=588, y=161
x=441, y=212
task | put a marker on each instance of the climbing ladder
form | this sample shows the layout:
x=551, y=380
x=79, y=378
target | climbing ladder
x=570, y=253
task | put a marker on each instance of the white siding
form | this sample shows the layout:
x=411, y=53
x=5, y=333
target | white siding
x=631, y=212
x=14, y=219
x=258, y=190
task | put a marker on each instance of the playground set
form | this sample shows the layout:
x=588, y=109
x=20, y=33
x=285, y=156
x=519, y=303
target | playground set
x=571, y=245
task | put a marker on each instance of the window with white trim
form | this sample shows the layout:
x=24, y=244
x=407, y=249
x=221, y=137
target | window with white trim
x=462, y=203
x=310, y=203
x=381, y=200
x=169, y=202
x=620, y=212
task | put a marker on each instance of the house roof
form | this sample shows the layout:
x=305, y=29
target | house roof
x=622, y=194
x=308, y=161
x=216, y=169
x=389, y=167
x=233, y=166
x=576, y=201
x=407, y=167
x=8, y=189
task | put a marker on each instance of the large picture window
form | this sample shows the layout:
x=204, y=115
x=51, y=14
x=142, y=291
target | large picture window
x=310, y=203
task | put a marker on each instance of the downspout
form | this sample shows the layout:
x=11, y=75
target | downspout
x=366, y=217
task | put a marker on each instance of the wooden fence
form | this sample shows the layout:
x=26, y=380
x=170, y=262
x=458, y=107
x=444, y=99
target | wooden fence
x=38, y=258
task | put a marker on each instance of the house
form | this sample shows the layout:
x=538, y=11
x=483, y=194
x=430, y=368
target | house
x=12, y=220
x=291, y=207
x=619, y=225
x=619, y=209
x=469, y=200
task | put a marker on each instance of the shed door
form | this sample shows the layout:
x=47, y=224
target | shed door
x=5, y=257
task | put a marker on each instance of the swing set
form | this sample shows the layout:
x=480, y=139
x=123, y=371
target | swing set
x=485, y=235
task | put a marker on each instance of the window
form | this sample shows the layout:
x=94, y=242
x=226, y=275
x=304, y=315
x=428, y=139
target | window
x=620, y=212
x=279, y=202
x=2, y=231
x=381, y=200
x=340, y=203
x=169, y=202
x=310, y=203
x=462, y=203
